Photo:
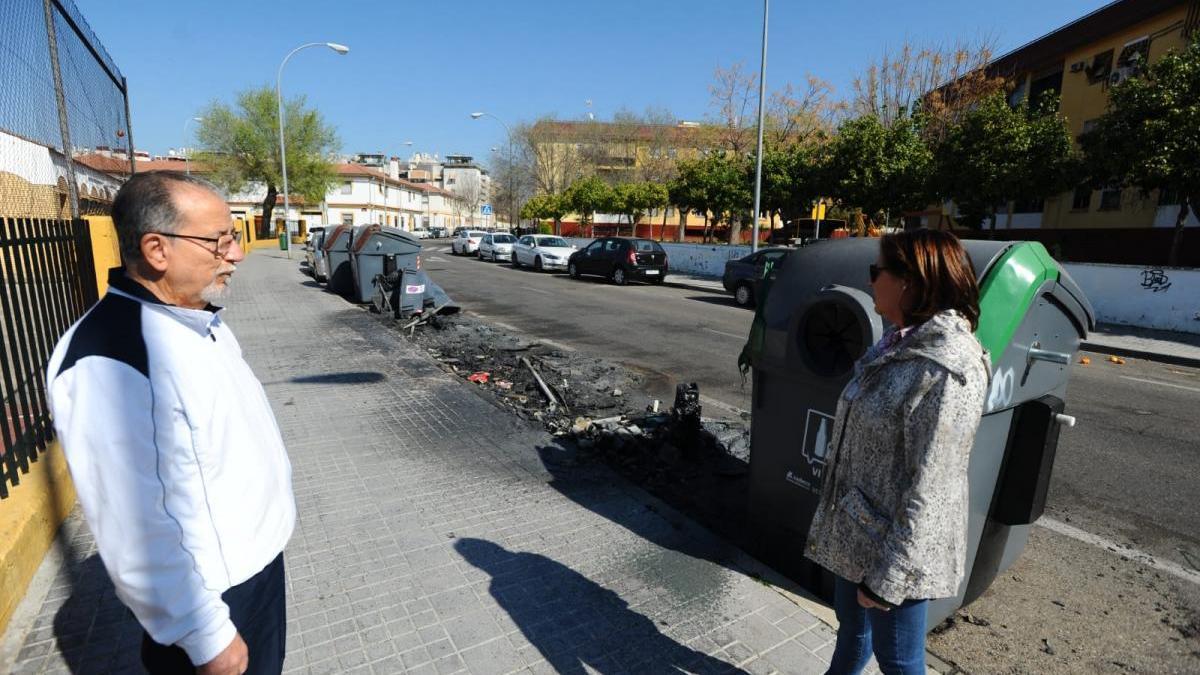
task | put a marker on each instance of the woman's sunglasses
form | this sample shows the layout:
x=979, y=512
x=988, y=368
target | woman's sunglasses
x=875, y=271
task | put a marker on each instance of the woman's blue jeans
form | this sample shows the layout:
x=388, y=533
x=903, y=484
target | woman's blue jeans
x=897, y=637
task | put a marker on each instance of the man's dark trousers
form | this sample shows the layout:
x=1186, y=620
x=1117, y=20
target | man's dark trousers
x=258, y=608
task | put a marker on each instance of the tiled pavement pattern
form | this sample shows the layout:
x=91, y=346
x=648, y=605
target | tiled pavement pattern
x=437, y=535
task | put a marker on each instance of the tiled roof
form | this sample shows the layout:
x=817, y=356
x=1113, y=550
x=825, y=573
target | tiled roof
x=116, y=164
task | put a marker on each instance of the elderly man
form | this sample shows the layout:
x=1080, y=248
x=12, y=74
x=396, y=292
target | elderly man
x=172, y=445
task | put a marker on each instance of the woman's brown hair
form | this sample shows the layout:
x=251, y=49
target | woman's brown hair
x=939, y=273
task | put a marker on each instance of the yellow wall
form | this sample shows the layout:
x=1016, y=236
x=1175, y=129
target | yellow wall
x=29, y=518
x=1082, y=102
x=34, y=510
x=106, y=251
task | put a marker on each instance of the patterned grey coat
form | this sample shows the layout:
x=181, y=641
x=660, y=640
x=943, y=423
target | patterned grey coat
x=893, y=507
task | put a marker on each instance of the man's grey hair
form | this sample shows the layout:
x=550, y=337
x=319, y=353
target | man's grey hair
x=145, y=204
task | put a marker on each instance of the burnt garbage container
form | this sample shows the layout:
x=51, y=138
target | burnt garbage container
x=819, y=319
x=336, y=249
x=404, y=293
x=371, y=247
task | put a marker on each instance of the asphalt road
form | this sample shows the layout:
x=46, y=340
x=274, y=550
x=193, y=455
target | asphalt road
x=1129, y=472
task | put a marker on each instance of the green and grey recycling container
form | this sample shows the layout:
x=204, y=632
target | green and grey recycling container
x=340, y=278
x=371, y=246
x=818, y=320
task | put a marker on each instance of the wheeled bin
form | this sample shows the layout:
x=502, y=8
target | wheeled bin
x=372, y=245
x=819, y=318
x=339, y=277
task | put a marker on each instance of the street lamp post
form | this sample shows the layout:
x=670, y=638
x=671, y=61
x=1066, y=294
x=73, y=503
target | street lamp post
x=187, y=156
x=762, y=91
x=287, y=223
x=512, y=197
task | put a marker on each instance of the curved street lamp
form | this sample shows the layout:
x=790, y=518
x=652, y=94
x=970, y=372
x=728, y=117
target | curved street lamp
x=340, y=49
x=512, y=197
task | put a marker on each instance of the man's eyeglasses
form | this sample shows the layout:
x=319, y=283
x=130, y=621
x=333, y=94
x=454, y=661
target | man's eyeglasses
x=223, y=242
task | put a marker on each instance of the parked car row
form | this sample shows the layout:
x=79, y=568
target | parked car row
x=618, y=259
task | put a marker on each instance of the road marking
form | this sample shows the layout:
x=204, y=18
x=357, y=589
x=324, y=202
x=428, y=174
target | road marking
x=721, y=332
x=1132, y=554
x=1161, y=384
x=557, y=345
x=704, y=400
x=435, y=258
x=537, y=290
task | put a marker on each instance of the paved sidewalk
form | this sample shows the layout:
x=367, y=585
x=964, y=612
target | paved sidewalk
x=695, y=282
x=1181, y=349
x=437, y=535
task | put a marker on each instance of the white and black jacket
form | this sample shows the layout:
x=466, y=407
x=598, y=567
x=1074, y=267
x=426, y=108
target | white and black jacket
x=176, y=457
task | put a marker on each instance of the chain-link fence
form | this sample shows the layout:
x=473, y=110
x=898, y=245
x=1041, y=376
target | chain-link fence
x=65, y=140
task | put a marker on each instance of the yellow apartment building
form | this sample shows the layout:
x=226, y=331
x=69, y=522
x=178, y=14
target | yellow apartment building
x=1081, y=61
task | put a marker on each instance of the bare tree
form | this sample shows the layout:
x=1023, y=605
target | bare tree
x=938, y=81
x=800, y=114
x=513, y=182
x=733, y=97
x=550, y=155
x=468, y=195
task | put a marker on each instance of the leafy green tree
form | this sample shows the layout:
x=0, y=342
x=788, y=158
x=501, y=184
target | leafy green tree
x=875, y=167
x=632, y=200
x=587, y=196
x=730, y=194
x=1150, y=136
x=995, y=153
x=688, y=192
x=240, y=145
x=546, y=207
x=793, y=180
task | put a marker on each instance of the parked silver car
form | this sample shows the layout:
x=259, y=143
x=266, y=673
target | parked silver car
x=542, y=252
x=314, y=254
x=496, y=247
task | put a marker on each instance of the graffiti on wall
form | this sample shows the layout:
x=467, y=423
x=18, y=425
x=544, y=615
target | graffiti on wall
x=1155, y=281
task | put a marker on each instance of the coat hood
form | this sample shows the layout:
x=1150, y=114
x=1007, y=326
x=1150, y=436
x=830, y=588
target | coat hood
x=947, y=340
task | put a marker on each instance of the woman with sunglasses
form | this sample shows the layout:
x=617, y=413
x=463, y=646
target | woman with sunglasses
x=892, y=520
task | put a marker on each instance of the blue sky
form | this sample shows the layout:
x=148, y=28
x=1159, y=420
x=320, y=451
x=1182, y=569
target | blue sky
x=417, y=69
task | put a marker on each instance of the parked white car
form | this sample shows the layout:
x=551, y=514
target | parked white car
x=467, y=242
x=542, y=252
x=496, y=247
x=420, y=234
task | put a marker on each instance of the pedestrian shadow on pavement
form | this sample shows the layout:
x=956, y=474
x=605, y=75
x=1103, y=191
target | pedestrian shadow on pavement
x=561, y=613
x=349, y=377
x=93, y=630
